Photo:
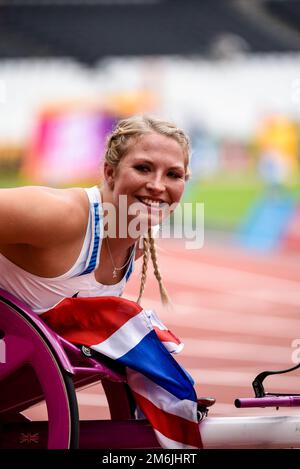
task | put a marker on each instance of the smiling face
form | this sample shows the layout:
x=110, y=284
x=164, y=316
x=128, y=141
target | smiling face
x=152, y=174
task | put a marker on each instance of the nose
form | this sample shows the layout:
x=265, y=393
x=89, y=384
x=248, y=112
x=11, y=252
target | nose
x=155, y=186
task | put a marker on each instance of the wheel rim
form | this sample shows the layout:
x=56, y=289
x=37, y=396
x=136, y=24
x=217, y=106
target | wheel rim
x=26, y=346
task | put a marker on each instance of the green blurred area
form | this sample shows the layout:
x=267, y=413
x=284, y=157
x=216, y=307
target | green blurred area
x=10, y=179
x=227, y=199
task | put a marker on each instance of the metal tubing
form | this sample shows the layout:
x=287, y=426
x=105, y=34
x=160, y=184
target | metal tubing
x=268, y=401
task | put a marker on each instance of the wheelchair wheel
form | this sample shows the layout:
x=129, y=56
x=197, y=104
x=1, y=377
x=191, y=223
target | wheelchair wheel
x=30, y=373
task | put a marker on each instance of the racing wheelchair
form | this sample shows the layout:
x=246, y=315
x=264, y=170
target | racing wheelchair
x=37, y=364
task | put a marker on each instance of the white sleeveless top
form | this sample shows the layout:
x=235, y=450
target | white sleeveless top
x=42, y=294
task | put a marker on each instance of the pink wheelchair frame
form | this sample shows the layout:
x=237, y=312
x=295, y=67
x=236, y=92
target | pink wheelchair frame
x=40, y=365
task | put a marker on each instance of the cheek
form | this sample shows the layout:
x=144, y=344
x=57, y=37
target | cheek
x=127, y=184
x=177, y=191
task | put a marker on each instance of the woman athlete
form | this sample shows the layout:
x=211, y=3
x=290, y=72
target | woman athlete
x=61, y=247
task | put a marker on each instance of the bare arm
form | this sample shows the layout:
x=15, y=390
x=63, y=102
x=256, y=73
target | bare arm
x=37, y=216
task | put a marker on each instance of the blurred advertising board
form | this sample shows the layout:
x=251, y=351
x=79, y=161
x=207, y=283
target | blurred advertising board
x=67, y=146
x=278, y=143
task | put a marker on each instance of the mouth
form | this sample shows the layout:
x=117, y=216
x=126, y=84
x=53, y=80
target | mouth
x=152, y=203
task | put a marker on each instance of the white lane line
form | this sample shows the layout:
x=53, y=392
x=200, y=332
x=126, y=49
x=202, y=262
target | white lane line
x=208, y=319
x=238, y=301
x=213, y=251
x=237, y=351
x=234, y=281
x=290, y=298
x=227, y=274
x=241, y=379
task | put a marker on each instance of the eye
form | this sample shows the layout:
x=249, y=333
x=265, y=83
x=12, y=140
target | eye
x=175, y=175
x=142, y=168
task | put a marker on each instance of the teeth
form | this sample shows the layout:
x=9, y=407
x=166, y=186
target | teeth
x=152, y=203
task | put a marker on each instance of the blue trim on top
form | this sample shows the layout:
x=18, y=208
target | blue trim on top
x=93, y=259
x=130, y=269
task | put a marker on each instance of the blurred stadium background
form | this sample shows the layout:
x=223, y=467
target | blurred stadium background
x=229, y=73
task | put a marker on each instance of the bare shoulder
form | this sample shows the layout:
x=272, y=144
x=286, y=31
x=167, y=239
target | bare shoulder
x=72, y=204
x=67, y=212
x=42, y=216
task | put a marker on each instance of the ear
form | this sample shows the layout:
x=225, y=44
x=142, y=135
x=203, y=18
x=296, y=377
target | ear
x=109, y=174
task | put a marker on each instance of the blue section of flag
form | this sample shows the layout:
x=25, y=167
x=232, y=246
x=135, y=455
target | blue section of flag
x=152, y=359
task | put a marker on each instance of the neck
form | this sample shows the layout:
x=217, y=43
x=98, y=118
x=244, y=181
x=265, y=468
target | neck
x=118, y=242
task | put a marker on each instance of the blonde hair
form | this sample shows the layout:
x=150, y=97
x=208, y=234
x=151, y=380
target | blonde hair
x=119, y=142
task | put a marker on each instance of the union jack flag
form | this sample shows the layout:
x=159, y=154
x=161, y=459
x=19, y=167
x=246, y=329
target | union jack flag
x=134, y=337
x=29, y=438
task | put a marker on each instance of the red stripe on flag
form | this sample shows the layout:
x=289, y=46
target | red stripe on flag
x=89, y=321
x=173, y=427
x=166, y=336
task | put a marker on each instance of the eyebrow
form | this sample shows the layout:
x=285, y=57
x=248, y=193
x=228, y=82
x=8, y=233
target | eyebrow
x=141, y=159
